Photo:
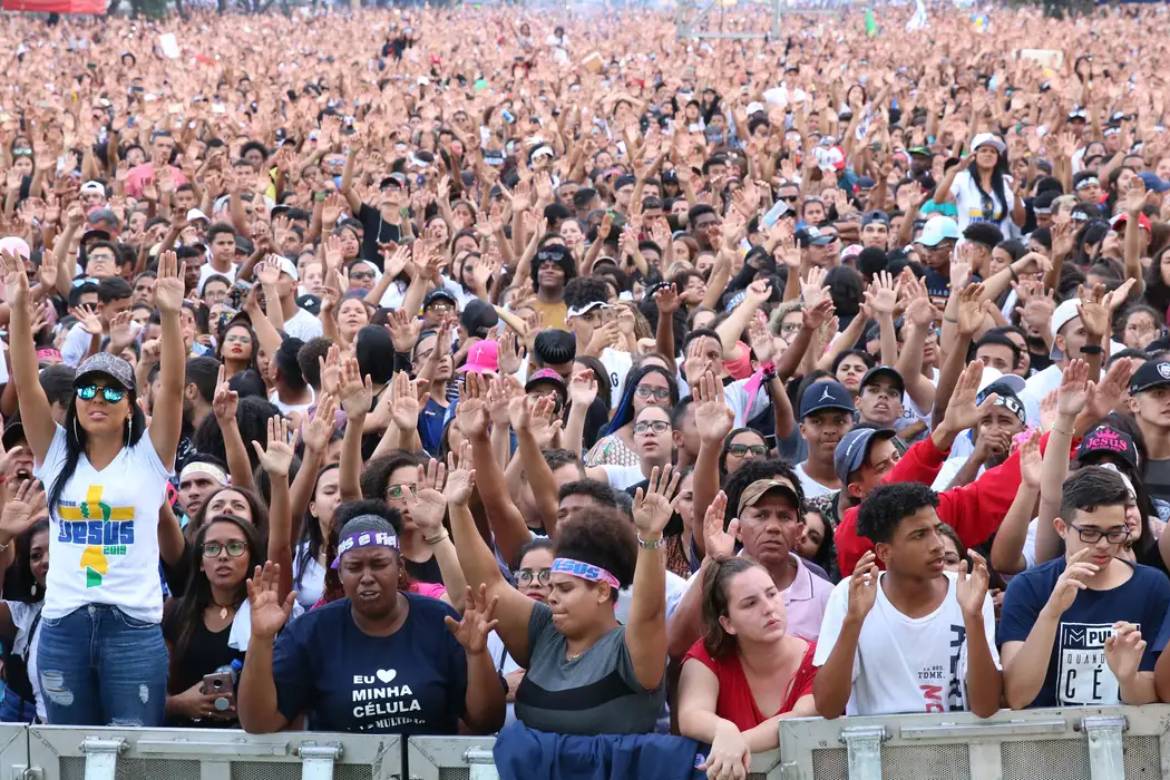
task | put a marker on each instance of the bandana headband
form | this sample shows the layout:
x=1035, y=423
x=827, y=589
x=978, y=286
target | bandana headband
x=201, y=467
x=364, y=539
x=584, y=571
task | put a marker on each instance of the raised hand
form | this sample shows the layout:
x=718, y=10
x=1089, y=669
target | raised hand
x=355, y=391
x=426, y=504
x=87, y=315
x=583, y=388
x=1113, y=386
x=1071, y=581
x=652, y=507
x=277, y=457
x=713, y=417
x=405, y=402
x=169, y=287
x=863, y=585
x=225, y=401
x=970, y=313
x=471, y=411
x=963, y=412
x=477, y=622
x=267, y=271
x=1073, y=391
x=971, y=589
x=882, y=295
x=720, y=541
x=666, y=299
x=1031, y=461
x=23, y=507
x=1124, y=650
x=269, y=613
x=316, y=432
x=1094, y=314
x=404, y=330
x=460, y=476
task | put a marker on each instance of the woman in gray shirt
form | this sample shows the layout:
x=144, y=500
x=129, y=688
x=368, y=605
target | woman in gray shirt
x=587, y=673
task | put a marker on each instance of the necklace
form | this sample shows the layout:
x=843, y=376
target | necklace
x=223, y=609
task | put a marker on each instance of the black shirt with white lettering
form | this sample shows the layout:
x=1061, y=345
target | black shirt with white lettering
x=411, y=682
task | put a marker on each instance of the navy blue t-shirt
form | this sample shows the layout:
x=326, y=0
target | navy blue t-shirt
x=1077, y=671
x=411, y=682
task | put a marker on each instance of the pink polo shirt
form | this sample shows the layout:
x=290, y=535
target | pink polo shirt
x=805, y=600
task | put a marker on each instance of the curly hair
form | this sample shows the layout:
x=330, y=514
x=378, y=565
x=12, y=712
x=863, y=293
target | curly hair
x=377, y=472
x=603, y=537
x=888, y=505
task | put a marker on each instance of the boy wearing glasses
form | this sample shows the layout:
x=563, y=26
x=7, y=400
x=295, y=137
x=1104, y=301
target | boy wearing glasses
x=1074, y=630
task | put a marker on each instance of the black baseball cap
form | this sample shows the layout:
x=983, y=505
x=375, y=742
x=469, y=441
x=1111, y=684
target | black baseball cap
x=826, y=395
x=1153, y=373
x=877, y=372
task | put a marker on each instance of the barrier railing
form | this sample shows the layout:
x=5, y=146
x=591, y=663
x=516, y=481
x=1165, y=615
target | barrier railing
x=68, y=753
x=1090, y=743
x=470, y=758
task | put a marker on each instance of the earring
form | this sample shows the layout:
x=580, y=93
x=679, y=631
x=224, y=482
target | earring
x=76, y=435
x=128, y=424
x=33, y=590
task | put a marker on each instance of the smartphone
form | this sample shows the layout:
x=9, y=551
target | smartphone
x=238, y=293
x=772, y=215
x=220, y=684
x=507, y=116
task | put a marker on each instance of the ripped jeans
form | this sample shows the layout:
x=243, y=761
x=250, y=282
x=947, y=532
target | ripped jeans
x=98, y=666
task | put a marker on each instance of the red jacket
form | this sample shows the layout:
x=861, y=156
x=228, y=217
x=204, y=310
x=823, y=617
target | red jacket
x=974, y=511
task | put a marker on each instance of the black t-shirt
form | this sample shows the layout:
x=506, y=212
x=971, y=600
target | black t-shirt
x=411, y=682
x=426, y=571
x=375, y=230
x=206, y=651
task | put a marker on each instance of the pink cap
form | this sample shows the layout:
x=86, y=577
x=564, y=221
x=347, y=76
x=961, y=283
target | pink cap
x=482, y=358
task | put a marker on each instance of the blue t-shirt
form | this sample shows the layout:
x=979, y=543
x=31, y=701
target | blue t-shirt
x=1077, y=671
x=411, y=682
x=431, y=419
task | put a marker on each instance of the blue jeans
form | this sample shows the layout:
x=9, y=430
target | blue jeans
x=98, y=666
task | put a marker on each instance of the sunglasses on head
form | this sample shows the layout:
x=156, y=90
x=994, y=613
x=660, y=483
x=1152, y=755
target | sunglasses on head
x=112, y=395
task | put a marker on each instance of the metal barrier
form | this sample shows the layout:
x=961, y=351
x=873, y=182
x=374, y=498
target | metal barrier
x=470, y=758
x=70, y=753
x=1088, y=743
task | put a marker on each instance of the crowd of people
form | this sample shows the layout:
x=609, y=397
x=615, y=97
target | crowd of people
x=475, y=370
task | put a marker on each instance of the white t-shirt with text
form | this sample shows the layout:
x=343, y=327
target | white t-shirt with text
x=904, y=664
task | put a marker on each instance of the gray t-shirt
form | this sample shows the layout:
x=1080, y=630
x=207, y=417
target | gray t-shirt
x=596, y=693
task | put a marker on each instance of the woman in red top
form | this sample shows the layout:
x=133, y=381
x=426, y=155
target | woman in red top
x=746, y=673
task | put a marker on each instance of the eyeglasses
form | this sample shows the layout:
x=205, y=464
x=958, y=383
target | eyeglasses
x=742, y=450
x=112, y=395
x=658, y=426
x=525, y=577
x=647, y=392
x=790, y=327
x=235, y=548
x=361, y=276
x=1090, y=535
x=399, y=492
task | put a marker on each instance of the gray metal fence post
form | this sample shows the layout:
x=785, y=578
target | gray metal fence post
x=317, y=760
x=1106, y=757
x=101, y=757
x=481, y=765
x=864, y=746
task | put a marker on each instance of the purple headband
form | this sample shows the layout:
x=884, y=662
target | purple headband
x=364, y=539
x=585, y=571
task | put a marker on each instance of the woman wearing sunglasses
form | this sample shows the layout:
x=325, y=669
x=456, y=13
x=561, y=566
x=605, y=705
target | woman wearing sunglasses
x=198, y=626
x=102, y=659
